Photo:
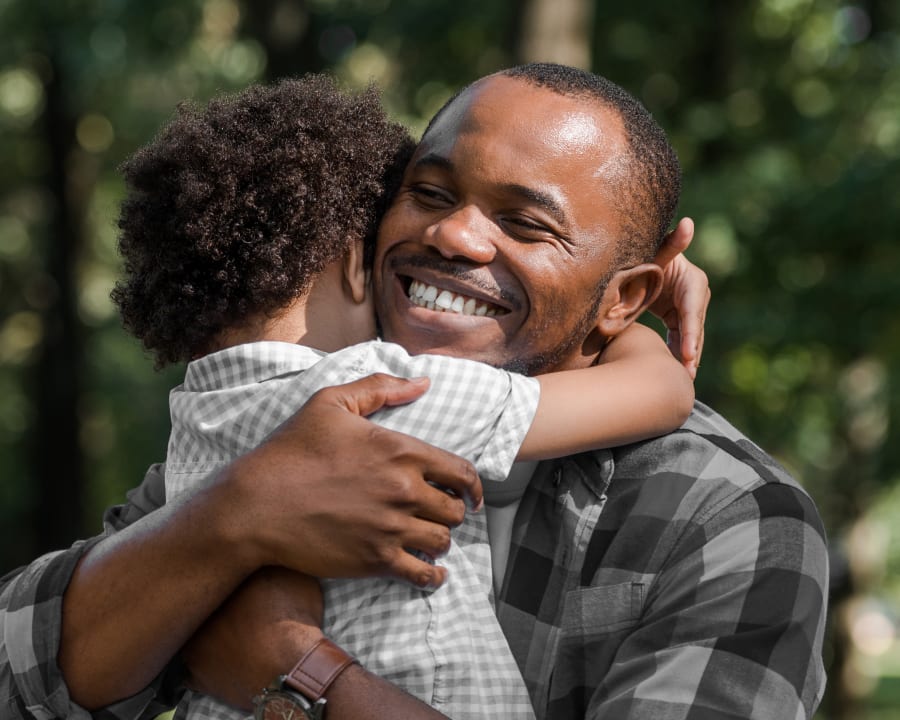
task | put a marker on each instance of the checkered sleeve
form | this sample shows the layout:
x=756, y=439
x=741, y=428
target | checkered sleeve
x=31, y=683
x=733, y=626
x=30, y=605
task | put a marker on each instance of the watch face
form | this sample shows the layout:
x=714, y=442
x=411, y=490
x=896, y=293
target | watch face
x=280, y=705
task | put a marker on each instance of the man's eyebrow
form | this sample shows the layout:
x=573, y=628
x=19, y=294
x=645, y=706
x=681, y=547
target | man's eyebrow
x=434, y=160
x=542, y=199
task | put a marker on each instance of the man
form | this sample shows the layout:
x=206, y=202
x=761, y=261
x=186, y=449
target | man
x=681, y=577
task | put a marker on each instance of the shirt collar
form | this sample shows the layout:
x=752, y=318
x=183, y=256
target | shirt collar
x=593, y=470
x=248, y=363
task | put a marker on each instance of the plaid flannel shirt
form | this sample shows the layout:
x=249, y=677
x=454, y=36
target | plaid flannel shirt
x=446, y=646
x=682, y=577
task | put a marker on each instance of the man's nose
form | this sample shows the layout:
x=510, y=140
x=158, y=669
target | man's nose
x=463, y=234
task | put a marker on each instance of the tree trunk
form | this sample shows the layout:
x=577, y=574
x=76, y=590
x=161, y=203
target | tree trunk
x=57, y=456
x=557, y=31
x=289, y=32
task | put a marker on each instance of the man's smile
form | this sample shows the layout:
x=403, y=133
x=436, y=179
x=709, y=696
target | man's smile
x=435, y=298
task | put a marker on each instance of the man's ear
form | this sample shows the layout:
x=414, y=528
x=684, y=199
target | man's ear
x=356, y=277
x=627, y=295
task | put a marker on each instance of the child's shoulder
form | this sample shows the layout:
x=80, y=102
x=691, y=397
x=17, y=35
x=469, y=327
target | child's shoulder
x=387, y=357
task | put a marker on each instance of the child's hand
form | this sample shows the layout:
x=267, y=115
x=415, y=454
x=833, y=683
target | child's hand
x=684, y=299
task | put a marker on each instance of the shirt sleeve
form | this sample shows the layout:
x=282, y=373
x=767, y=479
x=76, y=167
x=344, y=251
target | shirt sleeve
x=471, y=409
x=734, y=626
x=31, y=684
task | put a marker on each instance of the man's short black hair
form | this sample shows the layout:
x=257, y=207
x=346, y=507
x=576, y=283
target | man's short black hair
x=234, y=208
x=651, y=186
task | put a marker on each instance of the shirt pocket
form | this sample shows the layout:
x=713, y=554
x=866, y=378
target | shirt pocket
x=602, y=609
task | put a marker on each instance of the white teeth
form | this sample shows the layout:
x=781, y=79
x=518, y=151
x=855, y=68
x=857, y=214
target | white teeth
x=444, y=300
x=428, y=296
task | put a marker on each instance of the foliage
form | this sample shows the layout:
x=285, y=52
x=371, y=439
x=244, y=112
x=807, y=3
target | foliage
x=786, y=114
x=82, y=85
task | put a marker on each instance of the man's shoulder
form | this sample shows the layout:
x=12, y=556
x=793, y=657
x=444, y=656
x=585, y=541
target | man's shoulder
x=666, y=497
x=706, y=447
x=704, y=469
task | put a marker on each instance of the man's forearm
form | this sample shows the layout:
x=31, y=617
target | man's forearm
x=359, y=695
x=271, y=622
x=137, y=596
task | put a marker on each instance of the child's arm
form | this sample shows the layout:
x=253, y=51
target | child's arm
x=637, y=391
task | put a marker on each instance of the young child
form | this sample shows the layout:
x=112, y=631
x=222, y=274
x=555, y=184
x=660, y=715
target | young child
x=246, y=235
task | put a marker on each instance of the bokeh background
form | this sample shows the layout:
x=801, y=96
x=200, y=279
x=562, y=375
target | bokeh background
x=786, y=116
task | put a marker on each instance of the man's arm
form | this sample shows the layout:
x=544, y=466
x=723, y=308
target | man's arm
x=261, y=632
x=328, y=494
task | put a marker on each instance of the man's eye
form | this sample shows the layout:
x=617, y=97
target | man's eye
x=429, y=196
x=523, y=227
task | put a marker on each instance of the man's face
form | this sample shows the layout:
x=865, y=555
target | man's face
x=500, y=239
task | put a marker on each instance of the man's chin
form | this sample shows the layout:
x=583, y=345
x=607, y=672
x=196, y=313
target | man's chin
x=433, y=346
x=420, y=331
x=419, y=340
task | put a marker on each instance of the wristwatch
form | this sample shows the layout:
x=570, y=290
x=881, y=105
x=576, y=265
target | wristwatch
x=298, y=695
x=278, y=703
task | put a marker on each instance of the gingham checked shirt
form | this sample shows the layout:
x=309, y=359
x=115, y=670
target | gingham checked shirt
x=445, y=647
x=681, y=578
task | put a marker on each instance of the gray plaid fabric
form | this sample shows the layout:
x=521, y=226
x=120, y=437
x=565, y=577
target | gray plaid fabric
x=31, y=684
x=445, y=647
x=682, y=577
x=27, y=654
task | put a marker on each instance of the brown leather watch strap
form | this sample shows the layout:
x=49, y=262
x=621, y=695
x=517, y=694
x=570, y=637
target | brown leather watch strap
x=317, y=669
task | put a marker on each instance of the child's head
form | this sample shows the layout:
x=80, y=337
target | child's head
x=235, y=208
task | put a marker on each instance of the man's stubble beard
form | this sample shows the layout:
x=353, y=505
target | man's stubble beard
x=549, y=360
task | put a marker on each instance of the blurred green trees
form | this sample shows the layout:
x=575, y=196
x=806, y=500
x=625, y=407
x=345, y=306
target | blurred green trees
x=785, y=113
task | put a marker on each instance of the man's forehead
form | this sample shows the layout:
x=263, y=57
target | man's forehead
x=536, y=121
x=508, y=133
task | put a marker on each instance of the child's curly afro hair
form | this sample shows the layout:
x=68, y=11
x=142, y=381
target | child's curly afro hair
x=233, y=209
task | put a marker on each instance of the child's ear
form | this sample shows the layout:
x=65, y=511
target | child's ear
x=627, y=295
x=356, y=277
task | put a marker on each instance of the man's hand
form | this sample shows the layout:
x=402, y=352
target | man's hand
x=684, y=299
x=263, y=629
x=333, y=495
